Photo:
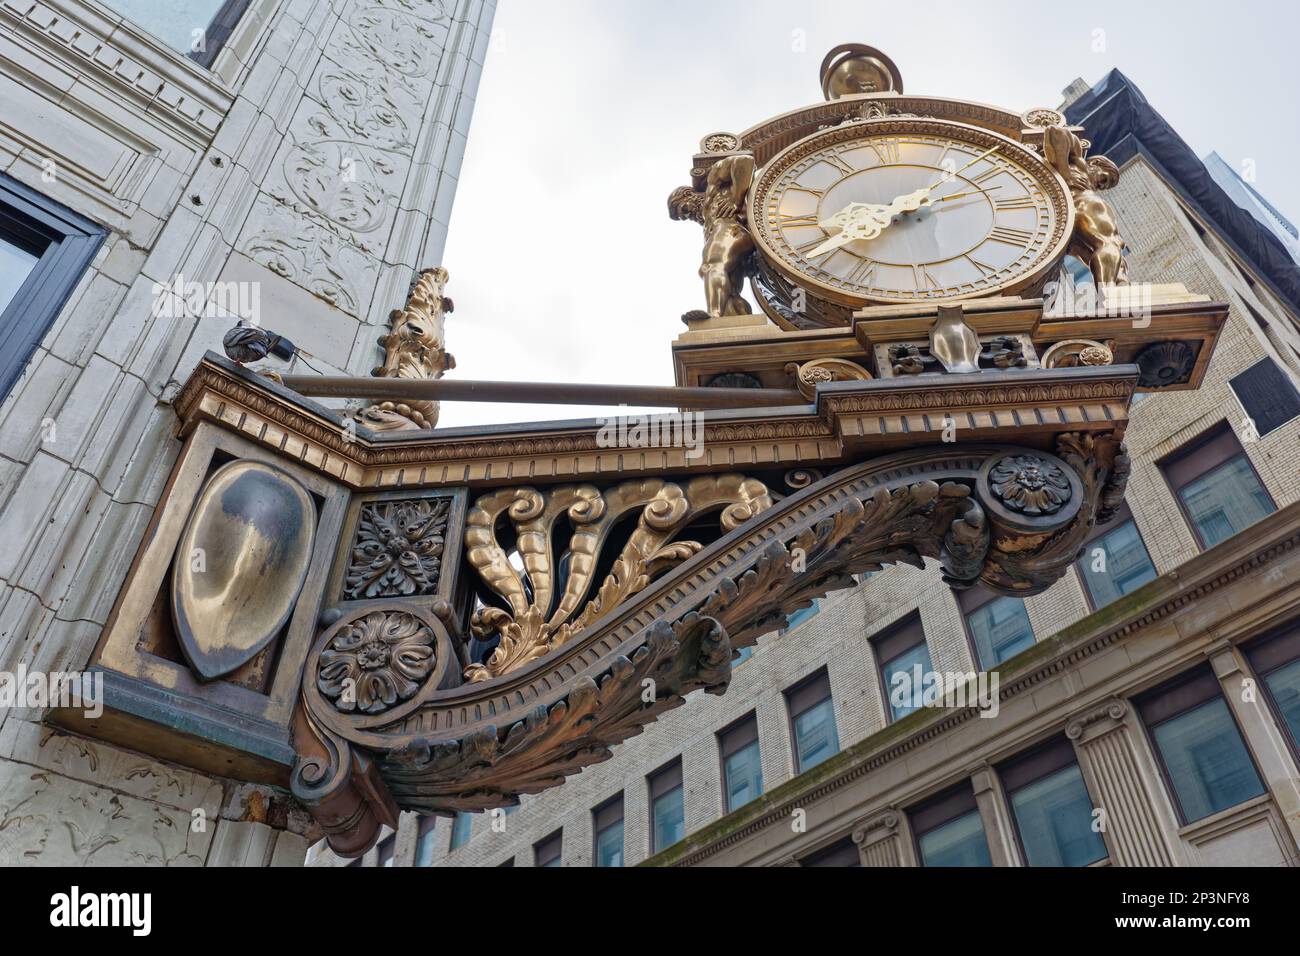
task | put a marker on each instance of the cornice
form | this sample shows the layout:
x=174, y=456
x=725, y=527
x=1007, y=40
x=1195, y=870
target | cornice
x=846, y=419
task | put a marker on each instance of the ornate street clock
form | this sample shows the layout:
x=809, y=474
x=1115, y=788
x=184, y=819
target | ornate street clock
x=877, y=198
x=905, y=209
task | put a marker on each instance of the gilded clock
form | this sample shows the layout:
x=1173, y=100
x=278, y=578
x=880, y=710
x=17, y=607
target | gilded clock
x=904, y=209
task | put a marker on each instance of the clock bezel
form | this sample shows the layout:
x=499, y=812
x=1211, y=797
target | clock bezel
x=1053, y=185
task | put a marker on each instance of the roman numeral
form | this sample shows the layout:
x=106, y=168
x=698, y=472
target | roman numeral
x=985, y=176
x=1022, y=202
x=863, y=274
x=809, y=246
x=785, y=222
x=887, y=150
x=819, y=193
x=984, y=268
x=1012, y=237
x=834, y=159
x=924, y=280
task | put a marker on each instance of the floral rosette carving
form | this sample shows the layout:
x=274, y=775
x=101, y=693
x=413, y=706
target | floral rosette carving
x=398, y=549
x=375, y=662
x=1030, y=485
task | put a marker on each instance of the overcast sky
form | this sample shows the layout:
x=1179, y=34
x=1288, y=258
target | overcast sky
x=564, y=263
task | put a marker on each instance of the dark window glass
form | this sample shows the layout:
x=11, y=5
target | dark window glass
x=1001, y=630
x=1052, y=809
x=424, y=842
x=742, y=767
x=812, y=719
x=387, y=847
x=667, y=807
x=1200, y=747
x=1276, y=659
x=1218, y=490
x=44, y=251
x=904, y=660
x=547, y=853
x=1115, y=564
x=949, y=831
x=1268, y=395
x=460, y=830
x=507, y=863
x=607, y=823
x=844, y=853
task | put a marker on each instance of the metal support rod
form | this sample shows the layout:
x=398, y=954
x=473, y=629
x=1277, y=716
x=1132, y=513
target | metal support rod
x=542, y=393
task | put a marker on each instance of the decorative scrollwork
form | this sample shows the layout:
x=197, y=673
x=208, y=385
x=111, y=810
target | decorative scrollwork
x=398, y=549
x=374, y=662
x=1073, y=353
x=1030, y=485
x=539, y=619
x=1165, y=364
x=811, y=374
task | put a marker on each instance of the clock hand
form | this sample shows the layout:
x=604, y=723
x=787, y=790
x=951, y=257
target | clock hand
x=857, y=220
x=915, y=200
x=969, y=192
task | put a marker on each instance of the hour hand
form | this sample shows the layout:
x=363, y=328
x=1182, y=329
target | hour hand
x=857, y=220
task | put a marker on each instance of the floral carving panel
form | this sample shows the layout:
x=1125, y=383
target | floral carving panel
x=398, y=549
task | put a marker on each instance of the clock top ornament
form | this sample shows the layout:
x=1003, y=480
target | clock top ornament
x=876, y=198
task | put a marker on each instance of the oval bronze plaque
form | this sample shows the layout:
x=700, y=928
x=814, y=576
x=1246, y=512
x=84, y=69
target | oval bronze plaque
x=240, y=565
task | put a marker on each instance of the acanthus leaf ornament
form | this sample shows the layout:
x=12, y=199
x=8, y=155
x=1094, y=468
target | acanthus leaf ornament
x=398, y=549
x=1030, y=484
x=376, y=661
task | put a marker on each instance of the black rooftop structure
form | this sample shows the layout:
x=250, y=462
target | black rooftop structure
x=1121, y=124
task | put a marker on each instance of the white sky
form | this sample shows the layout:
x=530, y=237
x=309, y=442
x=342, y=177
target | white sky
x=564, y=263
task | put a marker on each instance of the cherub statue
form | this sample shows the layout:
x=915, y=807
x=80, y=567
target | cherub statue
x=413, y=349
x=721, y=210
x=1096, y=232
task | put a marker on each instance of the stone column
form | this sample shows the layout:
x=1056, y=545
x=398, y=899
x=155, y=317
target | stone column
x=1123, y=783
x=1263, y=736
x=883, y=841
x=999, y=828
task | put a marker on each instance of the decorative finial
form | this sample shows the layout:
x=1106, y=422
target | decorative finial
x=854, y=68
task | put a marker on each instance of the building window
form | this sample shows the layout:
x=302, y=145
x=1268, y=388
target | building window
x=667, y=807
x=904, y=660
x=424, y=841
x=44, y=251
x=999, y=627
x=1051, y=807
x=196, y=28
x=812, y=722
x=949, y=831
x=1267, y=394
x=798, y=617
x=547, y=853
x=742, y=765
x=607, y=822
x=742, y=655
x=1115, y=562
x=1216, y=487
x=1204, y=759
x=460, y=830
x=843, y=854
x=387, y=848
x=507, y=863
x=1276, y=660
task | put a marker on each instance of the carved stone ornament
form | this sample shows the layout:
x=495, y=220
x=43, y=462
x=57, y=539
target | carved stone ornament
x=374, y=662
x=413, y=349
x=1074, y=353
x=398, y=549
x=1165, y=364
x=811, y=374
x=1030, y=485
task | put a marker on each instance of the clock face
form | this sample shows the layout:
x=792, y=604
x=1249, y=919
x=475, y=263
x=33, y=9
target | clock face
x=900, y=210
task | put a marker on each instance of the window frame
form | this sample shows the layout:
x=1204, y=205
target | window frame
x=1044, y=751
x=1286, y=638
x=1122, y=517
x=975, y=599
x=69, y=242
x=387, y=857
x=597, y=829
x=1220, y=434
x=960, y=794
x=892, y=633
x=822, y=673
x=673, y=766
x=739, y=724
x=426, y=826
x=553, y=841
x=1199, y=672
